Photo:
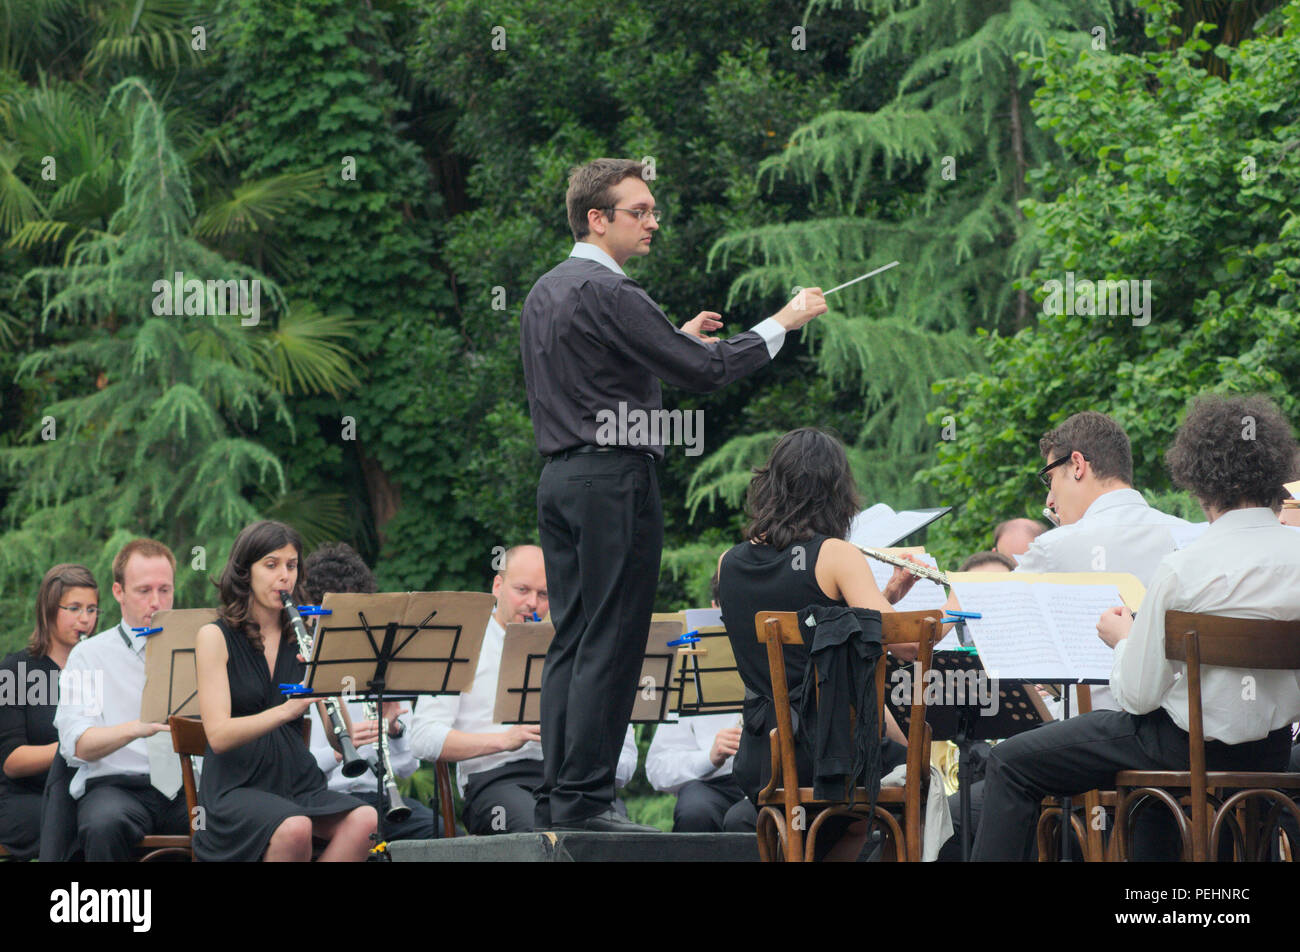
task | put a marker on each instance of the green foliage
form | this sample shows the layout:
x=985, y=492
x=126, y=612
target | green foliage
x=1177, y=177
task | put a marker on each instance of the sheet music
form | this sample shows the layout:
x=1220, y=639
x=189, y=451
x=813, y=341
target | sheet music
x=1014, y=637
x=879, y=527
x=1075, y=610
x=697, y=618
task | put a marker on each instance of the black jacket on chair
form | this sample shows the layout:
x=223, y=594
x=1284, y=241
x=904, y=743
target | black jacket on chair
x=845, y=644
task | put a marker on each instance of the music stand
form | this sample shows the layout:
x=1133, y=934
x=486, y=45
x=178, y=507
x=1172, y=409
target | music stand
x=398, y=645
x=708, y=679
x=170, y=680
x=1019, y=709
x=523, y=657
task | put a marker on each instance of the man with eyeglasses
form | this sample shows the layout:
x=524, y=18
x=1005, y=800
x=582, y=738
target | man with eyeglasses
x=124, y=783
x=595, y=347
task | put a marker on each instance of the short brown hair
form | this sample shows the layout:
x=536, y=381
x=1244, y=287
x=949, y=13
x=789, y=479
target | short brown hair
x=591, y=186
x=1101, y=440
x=1232, y=450
x=57, y=581
x=973, y=562
x=147, y=548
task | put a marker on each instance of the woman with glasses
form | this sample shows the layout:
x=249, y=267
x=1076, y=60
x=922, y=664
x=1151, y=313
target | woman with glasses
x=67, y=607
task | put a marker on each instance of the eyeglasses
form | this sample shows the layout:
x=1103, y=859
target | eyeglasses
x=639, y=213
x=1042, y=473
x=89, y=611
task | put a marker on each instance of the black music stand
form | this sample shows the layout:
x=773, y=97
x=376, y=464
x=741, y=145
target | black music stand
x=523, y=657
x=399, y=645
x=708, y=679
x=1019, y=709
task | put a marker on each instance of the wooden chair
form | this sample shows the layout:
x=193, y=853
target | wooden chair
x=446, y=805
x=1217, y=641
x=783, y=804
x=1085, y=831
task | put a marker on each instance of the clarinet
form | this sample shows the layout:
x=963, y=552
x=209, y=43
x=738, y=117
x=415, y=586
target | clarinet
x=397, y=810
x=354, y=765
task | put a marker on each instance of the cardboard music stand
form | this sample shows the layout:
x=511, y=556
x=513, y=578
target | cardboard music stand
x=523, y=656
x=170, y=681
x=397, y=645
x=708, y=679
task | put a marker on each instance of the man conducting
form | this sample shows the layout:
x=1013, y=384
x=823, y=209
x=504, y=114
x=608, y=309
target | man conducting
x=594, y=347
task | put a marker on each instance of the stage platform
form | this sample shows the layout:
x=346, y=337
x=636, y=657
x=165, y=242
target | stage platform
x=564, y=847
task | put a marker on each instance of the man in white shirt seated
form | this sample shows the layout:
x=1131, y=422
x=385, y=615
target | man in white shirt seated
x=1106, y=525
x=1245, y=565
x=692, y=759
x=498, y=765
x=103, y=736
x=336, y=567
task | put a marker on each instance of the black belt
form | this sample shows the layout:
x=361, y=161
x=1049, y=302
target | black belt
x=587, y=448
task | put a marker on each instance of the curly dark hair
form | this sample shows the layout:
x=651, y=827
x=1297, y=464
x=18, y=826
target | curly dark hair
x=806, y=488
x=1233, y=451
x=1101, y=440
x=252, y=544
x=336, y=567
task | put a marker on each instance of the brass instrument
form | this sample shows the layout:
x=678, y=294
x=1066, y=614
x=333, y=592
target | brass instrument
x=354, y=765
x=397, y=810
x=923, y=571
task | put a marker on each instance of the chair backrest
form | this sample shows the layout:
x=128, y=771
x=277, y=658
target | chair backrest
x=1200, y=639
x=777, y=629
x=188, y=740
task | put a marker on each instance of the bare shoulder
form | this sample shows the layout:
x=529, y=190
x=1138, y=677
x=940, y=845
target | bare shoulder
x=210, y=639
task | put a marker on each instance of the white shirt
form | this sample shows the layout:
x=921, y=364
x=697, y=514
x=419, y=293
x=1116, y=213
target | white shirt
x=1119, y=532
x=122, y=670
x=1245, y=565
x=769, y=328
x=399, y=754
x=472, y=712
x=679, y=752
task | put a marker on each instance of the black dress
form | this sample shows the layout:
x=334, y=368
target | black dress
x=247, y=792
x=26, y=718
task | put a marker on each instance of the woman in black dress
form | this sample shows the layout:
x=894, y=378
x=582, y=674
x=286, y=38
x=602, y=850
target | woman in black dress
x=262, y=795
x=800, y=506
x=67, y=608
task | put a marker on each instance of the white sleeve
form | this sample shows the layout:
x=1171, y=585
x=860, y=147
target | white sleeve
x=675, y=758
x=431, y=723
x=1140, y=675
x=403, y=760
x=627, y=758
x=72, y=720
x=773, y=335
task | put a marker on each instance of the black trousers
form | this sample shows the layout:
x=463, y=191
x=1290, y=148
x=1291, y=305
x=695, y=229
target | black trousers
x=501, y=800
x=601, y=526
x=20, y=823
x=702, y=805
x=115, y=813
x=1068, y=758
x=422, y=824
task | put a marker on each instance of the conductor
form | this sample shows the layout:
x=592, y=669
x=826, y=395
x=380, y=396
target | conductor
x=595, y=348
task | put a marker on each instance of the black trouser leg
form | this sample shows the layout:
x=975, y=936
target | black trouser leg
x=500, y=800
x=20, y=823
x=601, y=526
x=702, y=805
x=1068, y=758
x=112, y=817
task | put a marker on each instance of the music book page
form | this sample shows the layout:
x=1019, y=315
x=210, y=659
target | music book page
x=1040, y=632
x=880, y=527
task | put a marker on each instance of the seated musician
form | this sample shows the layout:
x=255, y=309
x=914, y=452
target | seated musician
x=1245, y=565
x=262, y=794
x=338, y=568
x=800, y=505
x=1014, y=536
x=691, y=758
x=988, y=562
x=498, y=765
x=67, y=607
x=123, y=785
x=1106, y=525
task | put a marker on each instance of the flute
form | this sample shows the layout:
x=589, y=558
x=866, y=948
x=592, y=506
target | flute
x=354, y=765
x=922, y=571
x=397, y=810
